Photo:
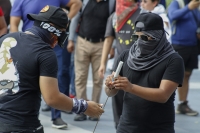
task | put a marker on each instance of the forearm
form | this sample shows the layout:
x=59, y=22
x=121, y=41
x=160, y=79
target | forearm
x=60, y=102
x=3, y=26
x=14, y=23
x=3, y=31
x=150, y=94
x=175, y=13
x=74, y=8
x=110, y=92
x=13, y=29
x=106, y=49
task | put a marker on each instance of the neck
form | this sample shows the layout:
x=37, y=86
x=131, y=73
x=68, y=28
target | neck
x=42, y=33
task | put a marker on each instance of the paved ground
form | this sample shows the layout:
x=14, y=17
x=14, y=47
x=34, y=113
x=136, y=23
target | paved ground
x=183, y=124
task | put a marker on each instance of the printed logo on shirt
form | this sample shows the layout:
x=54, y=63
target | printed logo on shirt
x=9, y=76
x=45, y=9
x=129, y=32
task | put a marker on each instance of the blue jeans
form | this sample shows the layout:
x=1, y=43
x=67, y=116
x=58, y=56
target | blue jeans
x=63, y=58
x=72, y=76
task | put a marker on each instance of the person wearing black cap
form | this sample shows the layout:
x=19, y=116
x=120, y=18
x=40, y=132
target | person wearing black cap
x=19, y=11
x=150, y=74
x=28, y=68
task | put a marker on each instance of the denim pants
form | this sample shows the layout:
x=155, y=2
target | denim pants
x=63, y=58
x=72, y=76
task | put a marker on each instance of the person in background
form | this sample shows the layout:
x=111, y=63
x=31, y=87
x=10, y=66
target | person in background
x=3, y=25
x=120, y=27
x=184, y=21
x=150, y=75
x=19, y=11
x=154, y=7
x=91, y=22
x=6, y=7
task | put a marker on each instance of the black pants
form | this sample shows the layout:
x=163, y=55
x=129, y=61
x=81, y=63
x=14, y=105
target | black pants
x=117, y=103
x=37, y=130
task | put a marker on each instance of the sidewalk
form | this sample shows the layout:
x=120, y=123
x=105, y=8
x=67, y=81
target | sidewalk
x=45, y=120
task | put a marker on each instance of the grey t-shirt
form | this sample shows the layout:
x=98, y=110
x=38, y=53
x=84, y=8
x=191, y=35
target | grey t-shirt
x=123, y=37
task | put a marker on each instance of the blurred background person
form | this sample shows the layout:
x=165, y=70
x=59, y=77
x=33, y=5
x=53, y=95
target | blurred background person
x=154, y=7
x=120, y=27
x=3, y=25
x=90, y=25
x=6, y=7
x=183, y=18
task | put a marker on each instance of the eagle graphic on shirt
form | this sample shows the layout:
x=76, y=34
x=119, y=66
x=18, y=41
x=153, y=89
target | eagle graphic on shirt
x=9, y=76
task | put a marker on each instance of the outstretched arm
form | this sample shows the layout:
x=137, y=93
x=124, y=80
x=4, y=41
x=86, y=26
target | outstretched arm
x=54, y=98
x=160, y=95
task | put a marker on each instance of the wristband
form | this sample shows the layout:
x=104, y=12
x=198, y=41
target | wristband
x=79, y=106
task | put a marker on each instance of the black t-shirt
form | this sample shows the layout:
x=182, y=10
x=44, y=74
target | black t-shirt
x=24, y=57
x=143, y=116
x=94, y=19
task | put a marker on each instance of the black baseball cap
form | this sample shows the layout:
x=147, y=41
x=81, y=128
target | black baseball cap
x=52, y=14
x=148, y=21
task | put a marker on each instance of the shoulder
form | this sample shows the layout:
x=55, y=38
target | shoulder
x=18, y=3
x=111, y=16
x=124, y=55
x=175, y=56
x=135, y=14
x=175, y=59
x=17, y=8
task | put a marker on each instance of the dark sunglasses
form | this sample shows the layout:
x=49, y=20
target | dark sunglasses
x=143, y=37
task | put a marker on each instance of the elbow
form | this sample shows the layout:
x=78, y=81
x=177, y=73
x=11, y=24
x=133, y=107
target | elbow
x=79, y=4
x=163, y=99
x=50, y=101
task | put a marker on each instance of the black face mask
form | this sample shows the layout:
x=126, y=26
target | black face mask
x=62, y=35
x=61, y=40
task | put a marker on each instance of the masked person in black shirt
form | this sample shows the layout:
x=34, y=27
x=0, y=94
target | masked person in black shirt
x=150, y=74
x=28, y=68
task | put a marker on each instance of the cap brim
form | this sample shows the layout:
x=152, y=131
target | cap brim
x=36, y=17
